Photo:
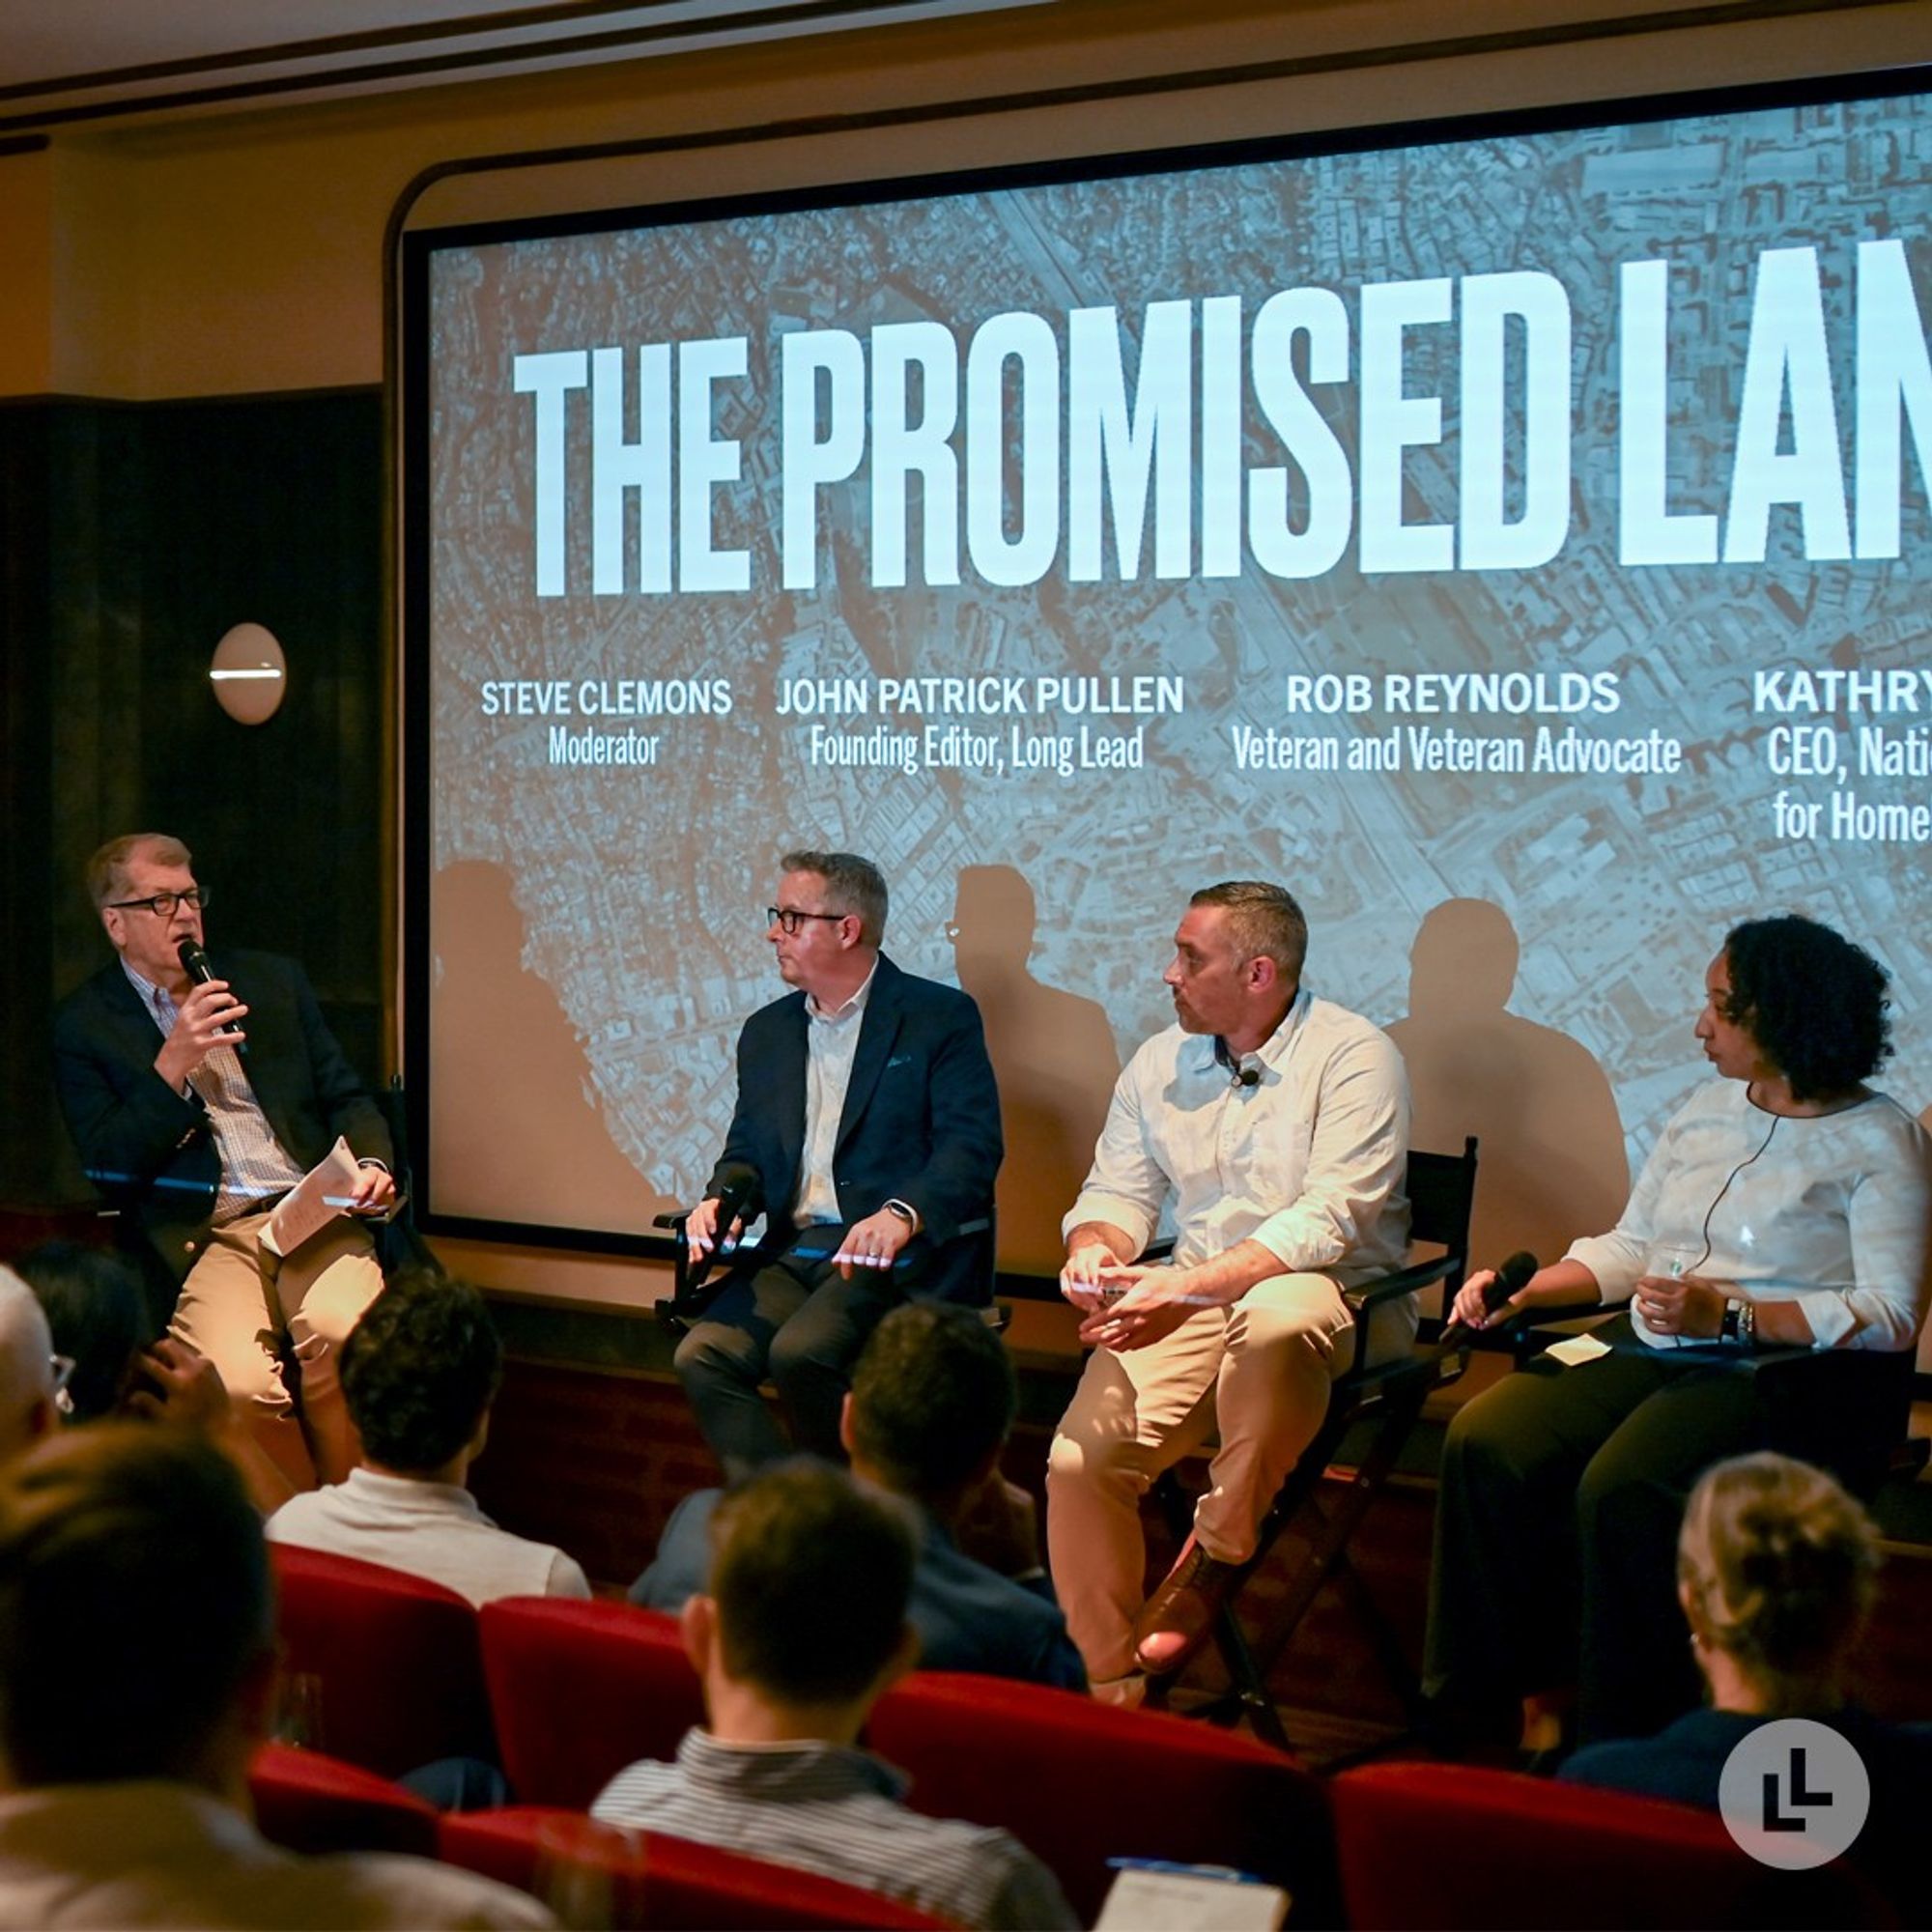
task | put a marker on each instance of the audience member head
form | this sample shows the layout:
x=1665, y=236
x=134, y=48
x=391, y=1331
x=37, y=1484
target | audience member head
x=1812, y=1000
x=1776, y=1568
x=852, y=885
x=803, y=1623
x=419, y=1372
x=27, y=1407
x=932, y=1399
x=98, y=1316
x=136, y=1611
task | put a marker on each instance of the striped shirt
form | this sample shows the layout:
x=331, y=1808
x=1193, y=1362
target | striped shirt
x=839, y=1812
x=256, y=1169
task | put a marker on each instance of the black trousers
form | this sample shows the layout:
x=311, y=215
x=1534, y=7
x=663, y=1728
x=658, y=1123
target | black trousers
x=797, y=1321
x=1555, y=1556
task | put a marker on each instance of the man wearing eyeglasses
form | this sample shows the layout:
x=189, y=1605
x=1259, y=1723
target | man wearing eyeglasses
x=195, y=1109
x=867, y=1130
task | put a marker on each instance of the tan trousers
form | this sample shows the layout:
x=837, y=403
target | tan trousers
x=249, y=1311
x=1259, y=1370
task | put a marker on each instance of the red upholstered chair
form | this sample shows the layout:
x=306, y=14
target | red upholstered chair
x=1447, y=1846
x=645, y=1879
x=582, y=1690
x=1079, y=1783
x=312, y=1803
x=396, y=1660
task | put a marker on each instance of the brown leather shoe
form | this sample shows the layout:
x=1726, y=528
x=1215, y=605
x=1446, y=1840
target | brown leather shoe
x=1179, y=1618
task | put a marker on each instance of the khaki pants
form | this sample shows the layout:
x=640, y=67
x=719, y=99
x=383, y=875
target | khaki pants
x=252, y=1314
x=1259, y=1371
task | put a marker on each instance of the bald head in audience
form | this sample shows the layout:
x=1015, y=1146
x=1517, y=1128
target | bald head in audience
x=28, y=1409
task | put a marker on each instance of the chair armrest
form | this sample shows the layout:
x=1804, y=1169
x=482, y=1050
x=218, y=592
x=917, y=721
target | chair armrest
x=1404, y=1281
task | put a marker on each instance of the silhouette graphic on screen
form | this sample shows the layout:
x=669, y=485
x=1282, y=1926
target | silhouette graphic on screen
x=1553, y=1161
x=516, y=1131
x=1053, y=1054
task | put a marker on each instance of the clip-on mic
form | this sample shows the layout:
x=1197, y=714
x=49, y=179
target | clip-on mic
x=199, y=968
x=1514, y=1274
x=1237, y=1074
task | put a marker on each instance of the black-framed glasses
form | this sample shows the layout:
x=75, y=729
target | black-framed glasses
x=162, y=905
x=63, y=1372
x=789, y=919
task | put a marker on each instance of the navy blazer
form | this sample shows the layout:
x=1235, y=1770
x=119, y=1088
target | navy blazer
x=920, y=1122
x=148, y=1149
x=967, y=1616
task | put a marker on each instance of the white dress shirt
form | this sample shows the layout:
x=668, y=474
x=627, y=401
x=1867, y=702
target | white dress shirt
x=1308, y=1160
x=1830, y=1211
x=831, y=1044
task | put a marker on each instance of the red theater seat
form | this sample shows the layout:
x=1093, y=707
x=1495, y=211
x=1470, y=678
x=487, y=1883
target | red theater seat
x=312, y=1803
x=1079, y=1783
x=1445, y=1846
x=645, y=1879
x=396, y=1660
x=582, y=1690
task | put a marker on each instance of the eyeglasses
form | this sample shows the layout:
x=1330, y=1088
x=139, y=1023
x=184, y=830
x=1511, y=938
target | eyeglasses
x=162, y=905
x=62, y=1368
x=789, y=919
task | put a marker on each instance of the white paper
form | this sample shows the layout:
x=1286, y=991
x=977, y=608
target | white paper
x=314, y=1202
x=1577, y=1350
x=1146, y=1900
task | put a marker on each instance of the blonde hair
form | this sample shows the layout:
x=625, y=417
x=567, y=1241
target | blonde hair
x=1778, y=1566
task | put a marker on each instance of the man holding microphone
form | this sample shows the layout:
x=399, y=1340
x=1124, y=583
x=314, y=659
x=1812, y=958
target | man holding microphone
x=195, y=1111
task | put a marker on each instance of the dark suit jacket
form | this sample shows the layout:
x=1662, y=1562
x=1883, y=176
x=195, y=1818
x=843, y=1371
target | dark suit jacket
x=921, y=1124
x=151, y=1151
x=967, y=1616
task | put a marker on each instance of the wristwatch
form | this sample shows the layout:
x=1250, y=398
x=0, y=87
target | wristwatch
x=906, y=1212
x=1740, y=1324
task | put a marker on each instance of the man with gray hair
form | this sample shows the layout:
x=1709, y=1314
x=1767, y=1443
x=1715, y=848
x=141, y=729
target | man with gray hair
x=195, y=1113
x=866, y=1129
x=29, y=1383
x=1275, y=1125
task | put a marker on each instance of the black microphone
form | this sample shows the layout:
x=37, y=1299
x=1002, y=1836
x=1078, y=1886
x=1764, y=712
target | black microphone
x=1237, y=1074
x=734, y=1202
x=1514, y=1274
x=195, y=963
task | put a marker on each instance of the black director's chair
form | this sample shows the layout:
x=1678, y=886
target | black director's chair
x=1386, y=1398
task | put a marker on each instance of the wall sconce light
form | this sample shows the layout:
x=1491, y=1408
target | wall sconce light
x=249, y=674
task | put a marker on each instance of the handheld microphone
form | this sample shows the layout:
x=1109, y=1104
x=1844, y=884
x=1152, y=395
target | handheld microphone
x=198, y=966
x=735, y=1201
x=1511, y=1275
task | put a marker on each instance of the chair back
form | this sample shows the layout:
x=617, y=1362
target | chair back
x=394, y=1658
x=1079, y=1783
x=581, y=1690
x=645, y=1879
x=1434, y=1846
x=309, y=1802
x=1441, y=1190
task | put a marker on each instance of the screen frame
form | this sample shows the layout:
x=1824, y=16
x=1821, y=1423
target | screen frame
x=418, y=246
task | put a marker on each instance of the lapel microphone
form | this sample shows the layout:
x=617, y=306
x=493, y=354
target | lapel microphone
x=1237, y=1074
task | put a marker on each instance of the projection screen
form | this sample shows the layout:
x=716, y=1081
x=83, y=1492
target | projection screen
x=1513, y=539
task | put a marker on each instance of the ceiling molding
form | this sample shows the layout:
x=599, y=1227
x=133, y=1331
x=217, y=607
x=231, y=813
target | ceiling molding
x=411, y=51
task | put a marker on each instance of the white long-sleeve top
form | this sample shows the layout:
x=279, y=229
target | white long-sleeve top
x=1832, y=1210
x=1308, y=1160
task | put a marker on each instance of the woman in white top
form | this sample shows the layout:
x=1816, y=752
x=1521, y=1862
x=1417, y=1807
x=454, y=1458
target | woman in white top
x=1786, y=1203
